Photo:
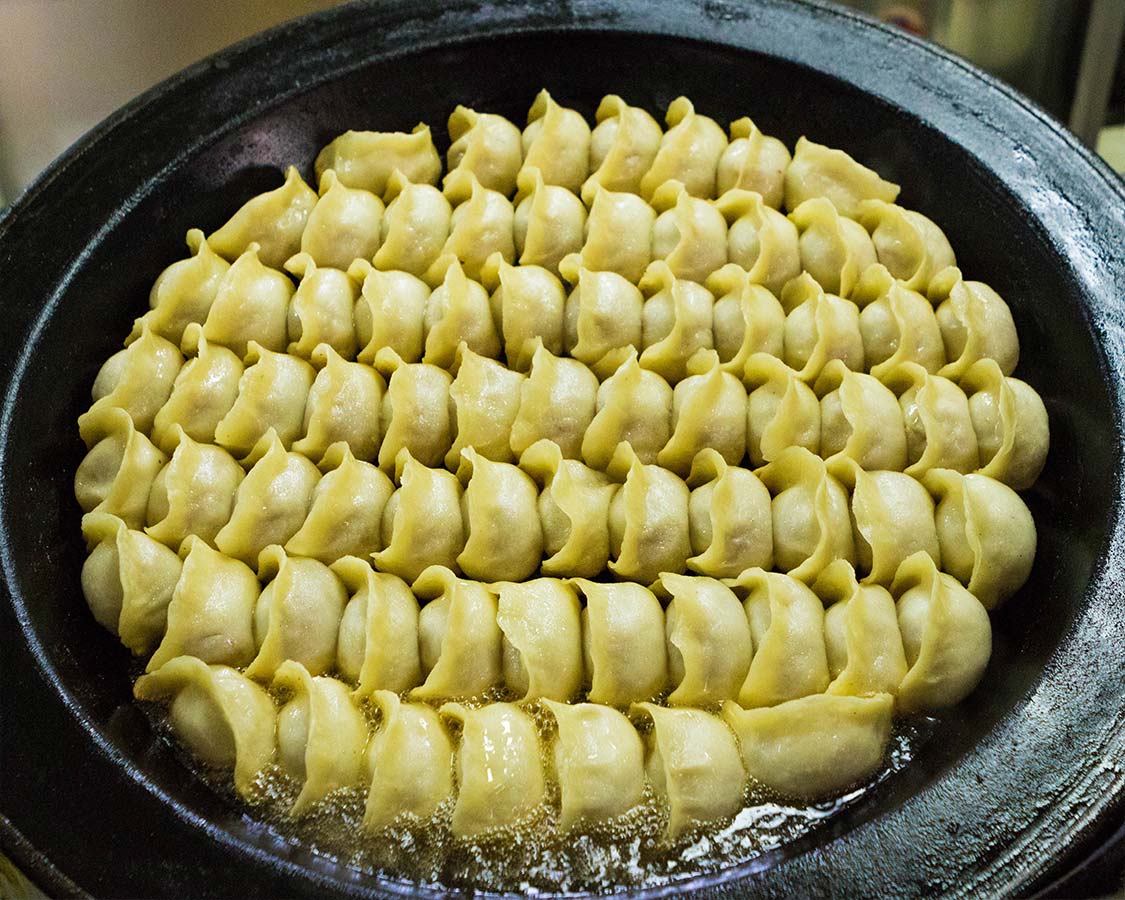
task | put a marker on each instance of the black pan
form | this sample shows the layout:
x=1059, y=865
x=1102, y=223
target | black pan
x=1020, y=777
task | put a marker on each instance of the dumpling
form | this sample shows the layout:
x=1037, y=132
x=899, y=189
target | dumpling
x=689, y=152
x=760, y=239
x=708, y=411
x=417, y=414
x=860, y=418
x=367, y=159
x=603, y=317
x=787, y=627
x=648, y=520
x=623, y=146
x=415, y=225
x=128, y=580
x=271, y=504
x=834, y=250
x=321, y=734
x=939, y=427
x=409, y=763
x=619, y=233
x=252, y=304
x=479, y=227
x=975, y=324
x=729, y=518
x=343, y=407
x=634, y=406
x=986, y=532
x=897, y=324
x=389, y=313
x=556, y=141
x=322, y=310
x=781, y=410
x=557, y=402
x=693, y=765
x=755, y=162
x=819, y=171
x=211, y=615
x=183, y=292
x=677, y=322
x=573, y=511
x=274, y=220
x=461, y=644
x=813, y=747
x=485, y=148
x=549, y=221
x=345, y=225
x=225, y=719
x=272, y=394
x=458, y=311
x=709, y=645
x=598, y=761
x=486, y=400
x=746, y=319
x=346, y=512
x=117, y=474
x=542, y=643
x=690, y=234
x=1010, y=422
x=504, y=540
x=528, y=304
x=297, y=617
x=377, y=647
x=623, y=646
x=911, y=246
x=819, y=327
x=499, y=768
x=422, y=521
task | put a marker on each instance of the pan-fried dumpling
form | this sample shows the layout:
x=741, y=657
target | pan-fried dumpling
x=986, y=532
x=225, y=719
x=504, y=541
x=322, y=310
x=409, y=763
x=389, y=313
x=813, y=747
x=618, y=233
x=753, y=161
x=204, y=391
x=346, y=513
x=117, y=474
x=693, y=765
x=975, y=324
x=271, y=504
x=345, y=225
x=128, y=580
x=811, y=519
x=760, y=239
x=898, y=325
x=557, y=402
x=709, y=645
x=819, y=327
x=377, y=647
x=479, y=227
x=211, y=615
x=1010, y=422
x=623, y=647
x=499, y=768
x=528, y=305
x=690, y=234
x=911, y=246
x=343, y=406
x=781, y=410
x=542, y=643
x=458, y=311
x=865, y=654
x=622, y=147
x=747, y=319
x=297, y=617
x=648, y=520
x=556, y=141
x=689, y=152
x=486, y=400
x=274, y=220
x=138, y=379
x=946, y=635
x=787, y=627
x=549, y=221
x=183, y=292
x=939, y=427
x=729, y=518
x=860, y=418
x=603, y=317
x=415, y=226
x=819, y=171
x=422, y=521
x=677, y=321
x=193, y=494
x=708, y=410
x=416, y=414
x=367, y=159
x=598, y=760
x=252, y=304
x=321, y=734
x=634, y=406
x=834, y=250
x=461, y=644
x=272, y=394
x=483, y=147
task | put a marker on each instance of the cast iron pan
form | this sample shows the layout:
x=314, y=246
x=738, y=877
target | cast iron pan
x=1020, y=776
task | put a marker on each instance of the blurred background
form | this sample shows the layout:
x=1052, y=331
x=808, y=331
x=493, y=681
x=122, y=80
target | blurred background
x=67, y=64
